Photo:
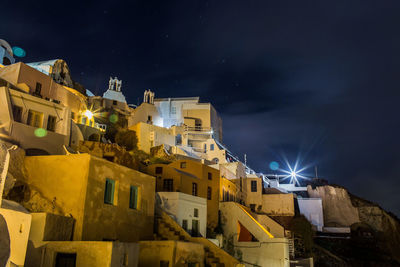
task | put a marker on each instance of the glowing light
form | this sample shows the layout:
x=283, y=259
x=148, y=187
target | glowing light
x=273, y=165
x=294, y=173
x=40, y=132
x=88, y=114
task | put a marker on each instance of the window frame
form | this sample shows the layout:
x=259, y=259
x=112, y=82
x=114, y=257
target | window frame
x=209, y=192
x=168, y=185
x=158, y=170
x=253, y=186
x=33, y=115
x=111, y=182
x=51, y=121
x=194, y=189
x=133, y=192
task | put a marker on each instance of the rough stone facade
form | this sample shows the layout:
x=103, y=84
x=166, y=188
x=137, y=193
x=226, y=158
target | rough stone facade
x=336, y=204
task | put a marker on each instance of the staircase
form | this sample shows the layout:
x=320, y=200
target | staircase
x=168, y=229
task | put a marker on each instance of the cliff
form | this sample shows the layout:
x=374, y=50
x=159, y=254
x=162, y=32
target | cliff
x=375, y=233
x=337, y=206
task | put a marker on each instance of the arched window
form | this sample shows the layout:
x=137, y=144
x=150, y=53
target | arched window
x=178, y=139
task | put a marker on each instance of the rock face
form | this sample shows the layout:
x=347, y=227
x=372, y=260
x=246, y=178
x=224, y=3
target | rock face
x=386, y=225
x=337, y=206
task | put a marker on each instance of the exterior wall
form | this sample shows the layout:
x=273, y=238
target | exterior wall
x=63, y=180
x=267, y=251
x=117, y=222
x=143, y=111
x=183, y=178
x=182, y=206
x=227, y=187
x=278, y=204
x=51, y=227
x=22, y=132
x=161, y=136
x=75, y=184
x=273, y=227
x=18, y=224
x=166, y=105
x=177, y=253
x=311, y=208
x=186, y=110
x=21, y=73
x=99, y=254
x=253, y=198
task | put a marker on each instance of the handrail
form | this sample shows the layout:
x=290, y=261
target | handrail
x=219, y=252
x=262, y=227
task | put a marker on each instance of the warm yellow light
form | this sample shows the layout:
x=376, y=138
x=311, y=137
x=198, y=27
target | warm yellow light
x=88, y=114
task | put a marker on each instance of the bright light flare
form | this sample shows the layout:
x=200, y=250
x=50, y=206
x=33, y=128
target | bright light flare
x=88, y=114
x=294, y=173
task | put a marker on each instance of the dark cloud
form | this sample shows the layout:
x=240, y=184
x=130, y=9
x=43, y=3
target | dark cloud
x=288, y=77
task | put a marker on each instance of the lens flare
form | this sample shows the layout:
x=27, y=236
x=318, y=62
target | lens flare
x=88, y=114
x=40, y=132
x=18, y=51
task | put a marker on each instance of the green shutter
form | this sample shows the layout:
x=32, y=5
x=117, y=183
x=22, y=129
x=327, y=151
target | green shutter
x=109, y=191
x=133, y=197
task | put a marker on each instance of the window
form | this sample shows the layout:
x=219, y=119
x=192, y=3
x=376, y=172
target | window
x=109, y=191
x=194, y=189
x=149, y=119
x=183, y=165
x=114, y=102
x=84, y=120
x=185, y=225
x=133, y=197
x=209, y=193
x=209, y=176
x=65, y=260
x=253, y=207
x=158, y=170
x=169, y=185
x=253, y=186
x=17, y=113
x=51, y=123
x=212, y=147
x=38, y=89
x=195, y=227
x=196, y=213
x=205, y=147
x=178, y=139
x=35, y=119
x=173, y=110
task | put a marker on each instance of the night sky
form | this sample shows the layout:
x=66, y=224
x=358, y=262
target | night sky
x=317, y=79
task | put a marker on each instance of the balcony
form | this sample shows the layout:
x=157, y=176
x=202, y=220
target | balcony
x=198, y=133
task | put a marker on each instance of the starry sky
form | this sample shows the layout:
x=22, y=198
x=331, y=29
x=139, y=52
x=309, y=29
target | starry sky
x=314, y=80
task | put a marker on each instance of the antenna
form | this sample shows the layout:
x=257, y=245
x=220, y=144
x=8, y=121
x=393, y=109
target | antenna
x=245, y=160
x=316, y=171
